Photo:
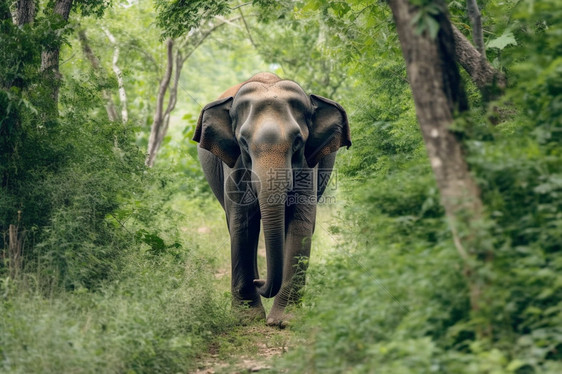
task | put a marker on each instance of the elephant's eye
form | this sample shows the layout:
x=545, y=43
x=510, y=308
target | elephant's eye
x=298, y=143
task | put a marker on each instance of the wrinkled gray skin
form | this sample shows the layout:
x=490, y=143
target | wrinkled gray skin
x=274, y=129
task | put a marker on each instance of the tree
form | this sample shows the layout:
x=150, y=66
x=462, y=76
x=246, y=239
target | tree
x=50, y=54
x=438, y=96
x=30, y=80
x=203, y=23
x=159, y=126
x=476, y=21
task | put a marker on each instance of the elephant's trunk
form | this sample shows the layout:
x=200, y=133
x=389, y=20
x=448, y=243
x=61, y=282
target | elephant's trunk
x=272, y=206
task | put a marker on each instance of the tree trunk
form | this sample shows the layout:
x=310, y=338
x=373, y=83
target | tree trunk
x=94, y=61
x=50, y=57
x=158, y=114
x=477, y=32
x=119, y=75
x=15, y=248
x=172, y=100
x=15, y=251
x=438, y=94
x=25, y=12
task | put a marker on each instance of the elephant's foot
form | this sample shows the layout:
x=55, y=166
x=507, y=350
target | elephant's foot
x=288, y=298
x=278, y=318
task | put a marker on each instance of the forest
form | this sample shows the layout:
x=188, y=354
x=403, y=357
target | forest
x=438, y=244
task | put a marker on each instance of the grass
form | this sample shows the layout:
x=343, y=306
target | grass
x=156, y=318
x=168, y=312
x=159, y=315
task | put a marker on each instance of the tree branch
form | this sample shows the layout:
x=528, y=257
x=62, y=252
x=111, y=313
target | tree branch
x=119, y=75
x=174, y=89
x=157, y=121
x=482, y=73
x=172, y=100
x=476, y=21
x=241, y=5
x=146, y=54
x=94, y=61
x=205, y=35
x=247, y=28
x=161, y=120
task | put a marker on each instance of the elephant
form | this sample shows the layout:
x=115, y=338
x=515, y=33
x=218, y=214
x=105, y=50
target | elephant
x=267, y=150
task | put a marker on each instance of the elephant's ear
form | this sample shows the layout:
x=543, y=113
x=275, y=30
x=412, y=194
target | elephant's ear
x=214, y=131
x=329, y=130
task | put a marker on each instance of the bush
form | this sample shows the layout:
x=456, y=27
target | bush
x=394, y=298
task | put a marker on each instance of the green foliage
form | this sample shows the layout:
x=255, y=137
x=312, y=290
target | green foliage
x=109, y=282
x=178, y=17
x=502, y=41
x=92, y=7
x=119, y=260
x=64, y=179
x=157, y=318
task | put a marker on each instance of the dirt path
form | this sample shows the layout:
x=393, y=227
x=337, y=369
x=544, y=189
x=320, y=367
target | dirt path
x=247, y=349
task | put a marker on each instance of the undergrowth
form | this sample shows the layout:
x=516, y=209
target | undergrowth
x=157, y=318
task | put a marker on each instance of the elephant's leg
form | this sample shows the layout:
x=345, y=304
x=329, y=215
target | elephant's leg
x=297, y=252
x=244, y=227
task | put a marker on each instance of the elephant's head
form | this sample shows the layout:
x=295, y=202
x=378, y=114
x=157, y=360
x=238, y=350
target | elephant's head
x=269, y=127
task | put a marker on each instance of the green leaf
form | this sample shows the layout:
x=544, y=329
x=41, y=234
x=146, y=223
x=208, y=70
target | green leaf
x=503, y=41
x=514, y=365
x=432, y=26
